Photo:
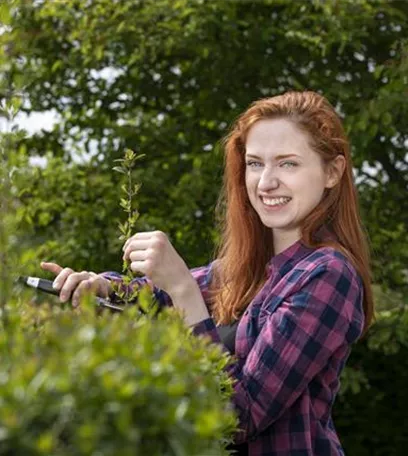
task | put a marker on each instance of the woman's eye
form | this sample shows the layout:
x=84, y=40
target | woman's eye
x=288, y=164
x=253, y=163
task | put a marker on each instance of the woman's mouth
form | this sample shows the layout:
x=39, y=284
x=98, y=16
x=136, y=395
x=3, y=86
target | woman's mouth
x=275, y=203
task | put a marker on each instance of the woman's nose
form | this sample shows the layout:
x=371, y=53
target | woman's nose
x=269, y=180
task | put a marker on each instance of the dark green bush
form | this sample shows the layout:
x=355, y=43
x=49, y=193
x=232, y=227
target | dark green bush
x=371, y=412
x=75, y=383
x=373, y=422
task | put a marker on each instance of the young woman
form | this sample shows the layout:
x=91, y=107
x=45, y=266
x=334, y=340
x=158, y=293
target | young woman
x=291, y=276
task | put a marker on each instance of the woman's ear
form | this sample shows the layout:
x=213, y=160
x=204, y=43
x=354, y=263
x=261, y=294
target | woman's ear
x=335, y=170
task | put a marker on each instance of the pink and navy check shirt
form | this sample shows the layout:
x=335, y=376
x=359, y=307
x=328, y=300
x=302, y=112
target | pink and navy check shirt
x=291, y=345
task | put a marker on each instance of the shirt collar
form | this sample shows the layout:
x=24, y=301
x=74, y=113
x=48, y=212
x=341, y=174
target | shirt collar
x=291, y=254
x=298, y=250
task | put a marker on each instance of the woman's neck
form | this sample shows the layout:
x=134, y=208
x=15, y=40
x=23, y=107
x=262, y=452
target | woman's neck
x=284, y=239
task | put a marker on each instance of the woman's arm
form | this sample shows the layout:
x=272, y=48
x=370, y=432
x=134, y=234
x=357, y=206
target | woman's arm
x=200, y=279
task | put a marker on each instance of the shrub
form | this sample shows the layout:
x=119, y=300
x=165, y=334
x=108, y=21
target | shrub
x=77, y=383
x=372, y=421
x=370, y=414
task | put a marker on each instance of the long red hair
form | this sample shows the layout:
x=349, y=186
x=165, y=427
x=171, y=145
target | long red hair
x=246, y=245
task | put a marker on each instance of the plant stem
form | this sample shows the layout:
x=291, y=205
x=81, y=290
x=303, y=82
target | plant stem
x=126, y=167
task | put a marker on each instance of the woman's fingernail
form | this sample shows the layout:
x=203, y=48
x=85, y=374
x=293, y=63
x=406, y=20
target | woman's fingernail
x=55, y=284
x=63, y=297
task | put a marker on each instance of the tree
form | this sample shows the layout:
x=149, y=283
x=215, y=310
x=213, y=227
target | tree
x=167, y=78
x=179, y=72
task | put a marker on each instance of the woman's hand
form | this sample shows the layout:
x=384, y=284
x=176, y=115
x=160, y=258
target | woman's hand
x=152, y=254
x=76, y=284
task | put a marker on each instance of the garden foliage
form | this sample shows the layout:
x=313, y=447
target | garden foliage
x=81, y=383
x=166, y=79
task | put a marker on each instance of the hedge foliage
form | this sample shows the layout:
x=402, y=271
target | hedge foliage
x=78, y=383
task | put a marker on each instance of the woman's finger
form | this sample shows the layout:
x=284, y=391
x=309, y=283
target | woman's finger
x=138, y=236
x=96, y=285
x=52, y=267
x=71, y=283
x=61, y=278
x=144, y=267
x=85, y=286
x=135, y=245
x=138, y=255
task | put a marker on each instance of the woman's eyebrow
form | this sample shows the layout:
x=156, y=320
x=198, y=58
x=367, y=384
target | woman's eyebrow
x=278, y=157
x=252, y=156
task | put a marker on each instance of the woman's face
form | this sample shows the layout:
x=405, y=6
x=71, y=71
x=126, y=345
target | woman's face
x=285, y=178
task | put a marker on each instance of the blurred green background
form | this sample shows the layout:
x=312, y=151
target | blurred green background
x=167, y=78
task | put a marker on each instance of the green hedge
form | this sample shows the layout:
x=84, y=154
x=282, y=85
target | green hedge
x=82, y=384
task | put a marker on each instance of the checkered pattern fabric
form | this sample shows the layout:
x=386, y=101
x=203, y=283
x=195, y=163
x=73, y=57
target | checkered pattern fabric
x=292, y=343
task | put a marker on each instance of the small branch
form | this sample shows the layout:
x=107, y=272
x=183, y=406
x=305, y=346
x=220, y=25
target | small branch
x=129, y=191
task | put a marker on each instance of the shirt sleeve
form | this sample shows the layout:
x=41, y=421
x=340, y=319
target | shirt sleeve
x=201, y=274
x=295, y=343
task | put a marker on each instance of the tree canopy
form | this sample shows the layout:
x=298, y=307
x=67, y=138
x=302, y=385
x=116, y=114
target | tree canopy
x=168, y=78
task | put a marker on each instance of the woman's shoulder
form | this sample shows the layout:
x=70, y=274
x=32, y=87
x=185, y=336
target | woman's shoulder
x=324, y=266
x=327, y=258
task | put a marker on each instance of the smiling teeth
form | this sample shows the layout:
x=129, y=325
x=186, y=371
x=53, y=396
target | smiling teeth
x=275, y=201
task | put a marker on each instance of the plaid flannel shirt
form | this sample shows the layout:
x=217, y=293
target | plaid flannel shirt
x=291, y=344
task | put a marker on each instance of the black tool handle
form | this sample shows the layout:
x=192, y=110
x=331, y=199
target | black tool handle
x=46, y=286
x=39, y=284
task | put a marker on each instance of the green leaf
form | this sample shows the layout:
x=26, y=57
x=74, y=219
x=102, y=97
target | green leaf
x=119, y=169
x=387, y=118
x=5, y=16
x=57, y=64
